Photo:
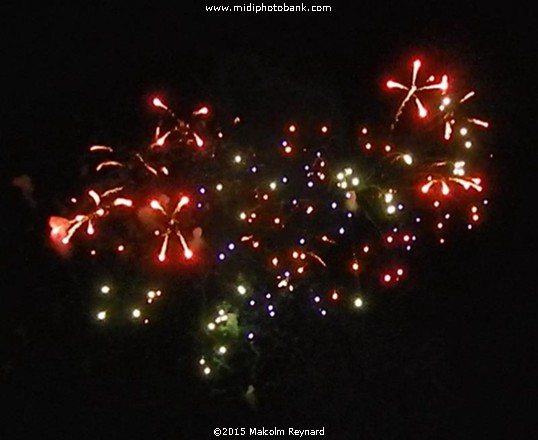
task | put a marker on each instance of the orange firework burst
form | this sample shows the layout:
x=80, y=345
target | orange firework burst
x=413, y=89
x=172, y=227
x=451, y=120
x=63, y=230
x=465, y=182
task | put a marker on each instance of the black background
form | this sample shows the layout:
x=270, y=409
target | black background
x=73, y=75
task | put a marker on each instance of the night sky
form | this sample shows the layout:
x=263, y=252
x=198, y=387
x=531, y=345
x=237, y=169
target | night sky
x=73, y=76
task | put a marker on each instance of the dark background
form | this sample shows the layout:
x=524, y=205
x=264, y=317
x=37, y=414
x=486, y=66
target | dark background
x=450, y=359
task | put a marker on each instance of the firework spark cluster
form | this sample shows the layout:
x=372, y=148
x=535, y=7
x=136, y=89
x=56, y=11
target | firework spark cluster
x=308, y=218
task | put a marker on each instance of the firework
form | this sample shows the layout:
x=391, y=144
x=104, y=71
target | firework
x=413, y=89
x=311, y=217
